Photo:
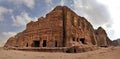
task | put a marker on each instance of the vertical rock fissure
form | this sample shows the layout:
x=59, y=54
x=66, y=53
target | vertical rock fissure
x=64, y=27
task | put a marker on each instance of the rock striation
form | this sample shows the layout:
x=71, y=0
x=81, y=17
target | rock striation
x=60, y=28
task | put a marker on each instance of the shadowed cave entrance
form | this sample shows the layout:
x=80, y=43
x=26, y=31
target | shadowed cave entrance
x=75, y=50
x=27, y=45
x=72, y=50
x=83, y=40
x=73, y=38
x=44, y=43
x=36, y=43
x=55, y=43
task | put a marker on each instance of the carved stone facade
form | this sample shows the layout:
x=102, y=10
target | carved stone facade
x=60, y=28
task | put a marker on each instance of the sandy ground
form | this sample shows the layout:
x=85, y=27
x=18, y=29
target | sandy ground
x=102, y=53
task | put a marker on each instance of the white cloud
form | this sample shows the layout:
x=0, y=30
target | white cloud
x=105, y=13
x=22, y=19
x=114, y=9
x=99, y=15
x=3, y=11
x=4, y=36
x=95, y=12
x=62, y=2
x=48, y=1
x=28, y=3
x=8, y=34
x=111, y=3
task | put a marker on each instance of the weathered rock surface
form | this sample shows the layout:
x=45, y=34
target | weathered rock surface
x=60, y=28
x=102, y=38
x=116, y=42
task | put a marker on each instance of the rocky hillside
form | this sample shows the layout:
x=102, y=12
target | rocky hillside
x=116, y=42
x=102, y=38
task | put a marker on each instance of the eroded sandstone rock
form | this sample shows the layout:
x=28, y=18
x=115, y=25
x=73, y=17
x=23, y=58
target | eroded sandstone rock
x=60, y=28
x=102, y=38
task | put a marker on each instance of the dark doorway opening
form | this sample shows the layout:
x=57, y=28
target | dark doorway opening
x=68, y=51
x=75, y=50
x=83, y=40
x=73, y=38
x=77, y=39
x=36, y=43
x=44, y=43
x=71, y=50
x=27, y=45
x=55, y=43
x=104, y=46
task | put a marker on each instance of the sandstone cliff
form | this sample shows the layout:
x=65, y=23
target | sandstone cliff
x=102, y=38
x=60, y=28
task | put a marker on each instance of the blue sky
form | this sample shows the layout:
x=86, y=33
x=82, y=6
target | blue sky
x=15, y=14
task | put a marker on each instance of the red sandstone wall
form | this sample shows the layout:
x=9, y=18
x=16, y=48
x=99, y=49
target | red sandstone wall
x=61, y=28
x=77, y=27
x=102, y=38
